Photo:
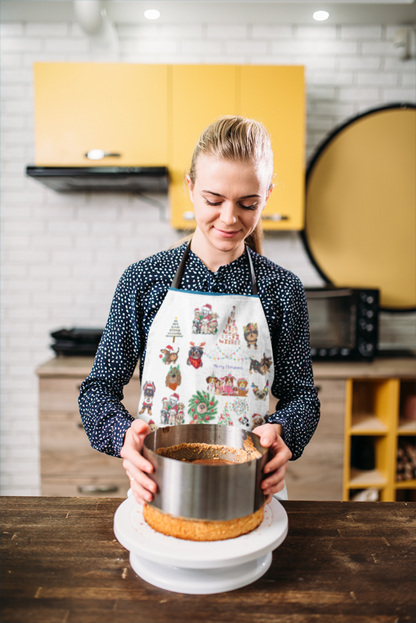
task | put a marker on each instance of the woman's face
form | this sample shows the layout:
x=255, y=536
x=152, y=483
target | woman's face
x=228, y=198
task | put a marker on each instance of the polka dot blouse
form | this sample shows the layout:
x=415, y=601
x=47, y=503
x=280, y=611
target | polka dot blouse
x=138, y=297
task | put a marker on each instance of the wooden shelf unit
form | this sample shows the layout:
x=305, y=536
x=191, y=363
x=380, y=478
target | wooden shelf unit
x=374, y=411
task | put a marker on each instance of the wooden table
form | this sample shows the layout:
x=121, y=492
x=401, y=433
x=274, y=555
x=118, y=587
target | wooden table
x=341, y=561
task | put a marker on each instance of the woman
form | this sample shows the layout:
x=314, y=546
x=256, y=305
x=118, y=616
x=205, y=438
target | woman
x=205, y=311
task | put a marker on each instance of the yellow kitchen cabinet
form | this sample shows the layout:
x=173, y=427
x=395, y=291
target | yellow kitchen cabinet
x=152, y=115
x=199, y=94
x=274, y=95
x=117, y=107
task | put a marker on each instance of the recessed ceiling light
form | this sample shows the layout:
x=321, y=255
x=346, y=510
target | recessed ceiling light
x=320, y=16
x=152, y=14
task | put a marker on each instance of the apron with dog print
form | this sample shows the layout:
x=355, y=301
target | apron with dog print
x=209, y=359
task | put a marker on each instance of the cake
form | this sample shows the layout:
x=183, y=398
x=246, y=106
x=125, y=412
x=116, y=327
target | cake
x=201, y=529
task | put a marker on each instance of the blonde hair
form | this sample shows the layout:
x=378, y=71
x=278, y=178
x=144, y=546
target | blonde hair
x=236, y=138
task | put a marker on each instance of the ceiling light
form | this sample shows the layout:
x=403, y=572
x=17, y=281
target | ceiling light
x=320, y=16
x=152, y=14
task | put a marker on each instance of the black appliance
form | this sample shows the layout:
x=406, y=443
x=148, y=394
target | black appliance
x=76, y=342
x=343, y=323
x=102, y=179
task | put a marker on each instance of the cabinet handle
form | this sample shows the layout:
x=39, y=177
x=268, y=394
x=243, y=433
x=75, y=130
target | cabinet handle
x=275, y=217
x=99, y=154
x=91, y=489
x=189, y=215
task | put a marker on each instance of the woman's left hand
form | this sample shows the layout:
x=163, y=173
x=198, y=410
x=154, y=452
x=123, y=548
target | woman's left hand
x=271, y=437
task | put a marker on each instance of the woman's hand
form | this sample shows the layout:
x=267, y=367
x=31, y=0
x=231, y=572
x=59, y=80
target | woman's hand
x=135, y=464
x=271, y=437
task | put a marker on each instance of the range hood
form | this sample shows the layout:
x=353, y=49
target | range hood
x=102, y=179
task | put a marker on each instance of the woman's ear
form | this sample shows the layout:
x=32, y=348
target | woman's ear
x=190, y=187
x=269, y=192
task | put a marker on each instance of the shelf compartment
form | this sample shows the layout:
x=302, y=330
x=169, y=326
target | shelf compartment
x=405, y=484
x=405, y=459
x=375, y=399
x=406, y=427
x=364, y=479
x=367, y=424
x=368, y=464
x=407, y=398
x=405, y=495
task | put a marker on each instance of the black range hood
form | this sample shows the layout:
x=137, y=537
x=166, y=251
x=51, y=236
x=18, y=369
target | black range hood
x=102, y=179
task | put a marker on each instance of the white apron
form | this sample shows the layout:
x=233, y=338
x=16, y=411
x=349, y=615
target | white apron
x=209, y=359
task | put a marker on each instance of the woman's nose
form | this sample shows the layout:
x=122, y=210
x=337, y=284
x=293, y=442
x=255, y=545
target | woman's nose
x=228, y=214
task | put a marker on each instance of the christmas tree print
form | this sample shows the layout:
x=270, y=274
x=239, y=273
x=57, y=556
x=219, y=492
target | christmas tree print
x=202, y=408
x=225, y=417
x=175, y=330
x=230, y=333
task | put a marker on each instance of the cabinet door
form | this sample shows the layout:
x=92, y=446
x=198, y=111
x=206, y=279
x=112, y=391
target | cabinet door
x=200, y=94
x=317, y=475
x=275, y=96
x=117, y=107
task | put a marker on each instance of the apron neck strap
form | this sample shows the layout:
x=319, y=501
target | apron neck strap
x=176, y=283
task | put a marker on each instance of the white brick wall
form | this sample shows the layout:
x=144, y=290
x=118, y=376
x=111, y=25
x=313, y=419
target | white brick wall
x=62, y=255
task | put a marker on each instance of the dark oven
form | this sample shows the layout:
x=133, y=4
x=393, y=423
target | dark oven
x=343, y=322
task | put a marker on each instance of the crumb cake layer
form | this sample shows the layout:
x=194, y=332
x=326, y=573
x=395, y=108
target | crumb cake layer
x=199, y=529
x=192, y=452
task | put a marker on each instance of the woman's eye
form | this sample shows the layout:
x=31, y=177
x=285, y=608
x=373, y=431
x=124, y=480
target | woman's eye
x=251, y=207
x=212, y=203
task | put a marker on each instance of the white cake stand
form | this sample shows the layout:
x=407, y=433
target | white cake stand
x=194, y=567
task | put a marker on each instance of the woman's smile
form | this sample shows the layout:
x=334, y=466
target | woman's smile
x=227, y=234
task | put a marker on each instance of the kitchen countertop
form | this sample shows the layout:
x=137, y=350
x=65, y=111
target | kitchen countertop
x=341, y=562
x=379, y=367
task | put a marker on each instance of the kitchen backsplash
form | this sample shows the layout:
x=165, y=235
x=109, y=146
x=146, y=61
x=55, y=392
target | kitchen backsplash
x=63, y=254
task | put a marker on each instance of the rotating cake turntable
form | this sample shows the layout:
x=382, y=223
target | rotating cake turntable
x=195, y=567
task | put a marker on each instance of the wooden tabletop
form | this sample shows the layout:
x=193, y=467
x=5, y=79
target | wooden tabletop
x=341, y=562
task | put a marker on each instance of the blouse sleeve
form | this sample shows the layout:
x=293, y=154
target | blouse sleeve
x=104, y=417
x=298, y=408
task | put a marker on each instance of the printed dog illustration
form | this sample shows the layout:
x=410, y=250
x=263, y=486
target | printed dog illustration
x=195, y=355
x=170, y=356
x=211, y=383
x=262, y=366
x=228, y=385
x=242, y=387
x=180, y=416
x=148, y=393
x=258, y=420
x=260, y=394
x=173, y=378
x=251, y=335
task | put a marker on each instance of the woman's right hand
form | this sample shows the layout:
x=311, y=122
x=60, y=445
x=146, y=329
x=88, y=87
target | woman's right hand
x=136, y=466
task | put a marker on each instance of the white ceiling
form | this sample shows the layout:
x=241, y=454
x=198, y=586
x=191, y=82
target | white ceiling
x=221, y=11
